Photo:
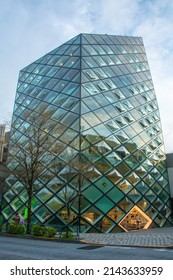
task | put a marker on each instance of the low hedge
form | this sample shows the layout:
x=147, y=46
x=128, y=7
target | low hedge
x=50, y=232
x=67, y=236
x=38, y=230
x=16, y=229
x=0, y=228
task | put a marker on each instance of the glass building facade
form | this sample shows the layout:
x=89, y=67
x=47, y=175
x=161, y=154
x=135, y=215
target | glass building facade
x=104, y=136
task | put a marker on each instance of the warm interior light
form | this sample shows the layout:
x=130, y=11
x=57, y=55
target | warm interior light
x=135, y=219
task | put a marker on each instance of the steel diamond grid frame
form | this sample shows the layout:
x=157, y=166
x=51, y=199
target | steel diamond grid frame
x=103, y=112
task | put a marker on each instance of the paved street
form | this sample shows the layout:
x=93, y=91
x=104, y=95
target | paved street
x=12, y=248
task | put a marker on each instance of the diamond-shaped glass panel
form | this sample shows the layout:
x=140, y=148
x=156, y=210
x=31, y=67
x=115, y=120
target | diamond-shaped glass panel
x=54, y=204
x=104, y=204
x=115, y=194
x=43, y=214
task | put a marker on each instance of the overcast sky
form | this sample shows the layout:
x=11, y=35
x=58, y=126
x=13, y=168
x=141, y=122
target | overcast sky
x=31, y=28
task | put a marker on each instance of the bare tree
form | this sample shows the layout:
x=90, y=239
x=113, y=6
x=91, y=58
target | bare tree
x=7, y=121
x=26, y=156
x=4, y=173
x=76, y=164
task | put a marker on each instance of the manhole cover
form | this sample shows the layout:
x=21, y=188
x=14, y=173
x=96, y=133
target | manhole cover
x=90, y=247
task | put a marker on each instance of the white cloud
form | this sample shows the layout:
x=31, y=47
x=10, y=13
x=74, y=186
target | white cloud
x=156, y=29
x=29, y=29
x=116, y=17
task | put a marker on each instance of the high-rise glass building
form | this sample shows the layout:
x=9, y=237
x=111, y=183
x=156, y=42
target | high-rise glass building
x=104, y=137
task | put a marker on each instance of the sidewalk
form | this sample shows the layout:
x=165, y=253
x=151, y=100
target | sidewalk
x=153, y=238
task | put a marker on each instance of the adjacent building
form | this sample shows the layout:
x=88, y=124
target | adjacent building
x=104, y=135
x=169, y=161
x=2, y=140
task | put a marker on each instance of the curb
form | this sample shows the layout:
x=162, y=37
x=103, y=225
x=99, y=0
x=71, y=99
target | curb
x=41, y=238
x=133, y=245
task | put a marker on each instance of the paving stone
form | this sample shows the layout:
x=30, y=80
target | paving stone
x=160, y=237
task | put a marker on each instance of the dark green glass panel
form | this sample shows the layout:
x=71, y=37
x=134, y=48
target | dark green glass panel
x=104, y=184
x=115, y=194
x=92, y=194
x=104, y=204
